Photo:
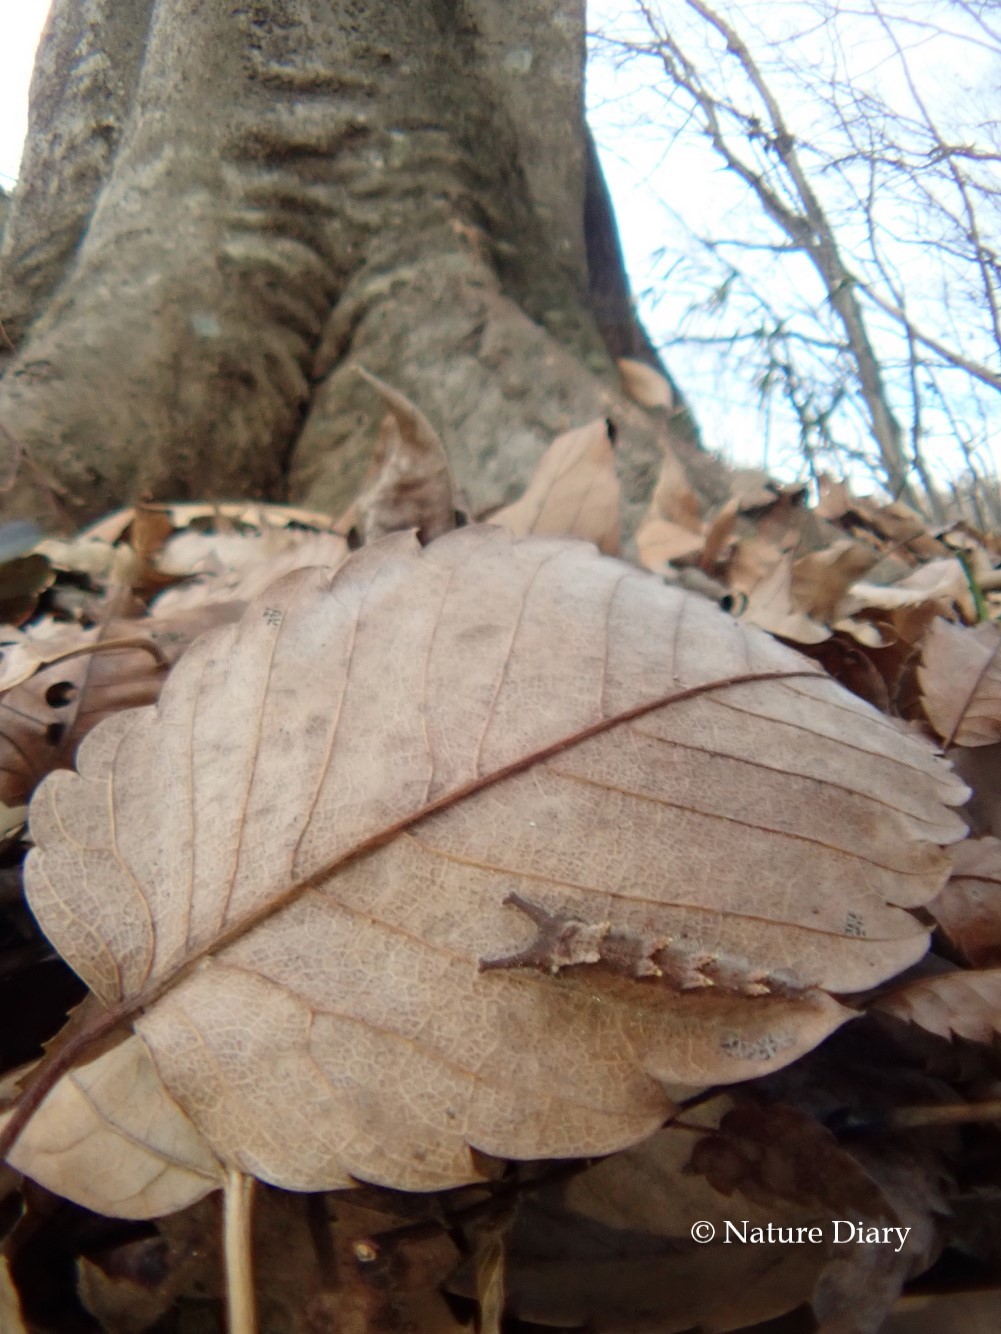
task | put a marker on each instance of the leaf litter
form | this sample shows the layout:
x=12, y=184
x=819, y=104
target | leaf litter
x=509, y=901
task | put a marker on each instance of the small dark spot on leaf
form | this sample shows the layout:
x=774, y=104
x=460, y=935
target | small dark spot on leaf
x=54, y=733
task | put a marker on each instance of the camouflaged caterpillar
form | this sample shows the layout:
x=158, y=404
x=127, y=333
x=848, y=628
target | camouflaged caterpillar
x=570, y=942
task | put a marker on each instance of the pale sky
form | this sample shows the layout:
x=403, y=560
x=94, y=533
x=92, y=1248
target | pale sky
x=20, y=28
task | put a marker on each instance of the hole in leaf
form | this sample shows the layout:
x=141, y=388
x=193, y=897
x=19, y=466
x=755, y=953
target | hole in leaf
x=60, y=694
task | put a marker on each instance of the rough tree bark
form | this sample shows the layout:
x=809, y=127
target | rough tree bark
x=223, y=206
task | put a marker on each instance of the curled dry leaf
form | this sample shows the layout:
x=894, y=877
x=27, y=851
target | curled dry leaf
x=969, y=908
x=941, y=584
x=99, y=561
x=574, y=491
x=413, y=487
x=672, y=528
x=771, y=606
x=98, y=672
x=235, y=568
x=821, y=579
x=293, y=918
x=229, y=517
x=960, y=679
x=965, y=1003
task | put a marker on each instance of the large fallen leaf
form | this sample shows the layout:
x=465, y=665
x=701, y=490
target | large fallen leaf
x=574, y=491
x=960, y=678
x=969, y=908
x=964, y=1003
x=287, y=874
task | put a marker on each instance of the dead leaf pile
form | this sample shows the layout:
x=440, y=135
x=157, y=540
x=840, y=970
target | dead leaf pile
x=448, y=862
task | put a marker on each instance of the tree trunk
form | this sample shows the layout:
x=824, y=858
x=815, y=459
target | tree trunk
x=223, y=207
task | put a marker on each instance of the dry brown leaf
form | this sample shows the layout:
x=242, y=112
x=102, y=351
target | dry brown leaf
x=627, y=1222
x=969, y=908
x=413, y=487
x=965, y=1003
x=785, y=1160
x=574, y=491
x=22, y=580
x=659, y=543
x=611, y=1248
x=121, y=665
x=775, y=1155
x=672, y=528
x=292, y=916
x=752, y=561
x=980, y=767
x=869, y=633
x=719, y=535
x=854, y=669
x=232, y=516
x=111, y=1138
x=941, y=584
x=834, y=499
x=771, y=605
x=960, y=679
x=644, y=385
x=235, y=568
x=100, y=562
x=821, y=578
x=25, y=653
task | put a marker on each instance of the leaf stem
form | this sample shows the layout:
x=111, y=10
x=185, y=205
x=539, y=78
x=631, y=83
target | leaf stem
x=238, y=1200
